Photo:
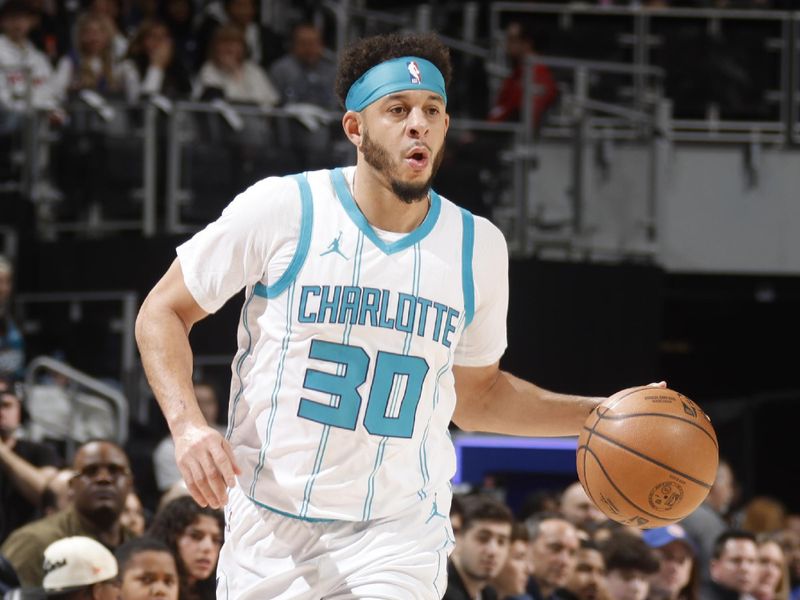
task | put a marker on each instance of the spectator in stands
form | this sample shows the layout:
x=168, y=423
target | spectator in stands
x=763, y=514
x=508, y=104
x=588, y=578
x=50, y=32
x=630, y=563
x=166, y=469
x=480, y=550
x=540, y=501
x=177, y=490
x=80, y=568
x=456, y=514
x=578, y=509
x=25, y=72
x=706, y=523
x=100, y=487
x=179, y=17
x=773, y=572
x=25, y=466
x=133, y=517
x=733, y=567
x=263, y=44
x=304, y=79
x=305, y=75
x=790, y=543
x=228, y=74
x=147, y=570
x=194, y=535
x=92, y=64
x=151, y=67
x=511, y=581
x=12, y=344
x=554, y=544
x=111, y=11
x=678, y=577
x=57, y=494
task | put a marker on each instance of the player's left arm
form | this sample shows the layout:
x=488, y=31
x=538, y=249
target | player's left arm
x=496, y=401
x=491, y=400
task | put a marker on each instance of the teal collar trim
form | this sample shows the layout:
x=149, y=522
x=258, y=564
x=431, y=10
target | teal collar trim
x=355, y=214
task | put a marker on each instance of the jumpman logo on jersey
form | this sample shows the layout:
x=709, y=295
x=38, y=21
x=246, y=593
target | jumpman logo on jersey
x=334, y=247
x=434, y=511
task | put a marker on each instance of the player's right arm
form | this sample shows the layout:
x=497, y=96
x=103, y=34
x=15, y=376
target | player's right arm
x=165, y=319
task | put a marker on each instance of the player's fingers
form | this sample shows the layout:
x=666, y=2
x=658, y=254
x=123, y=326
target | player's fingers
x=222, y=461
x=660, y=384
x=214, y=480
x=226, y=446
x=192, y=477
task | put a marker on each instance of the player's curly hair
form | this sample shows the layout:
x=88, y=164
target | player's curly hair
x=361, y=56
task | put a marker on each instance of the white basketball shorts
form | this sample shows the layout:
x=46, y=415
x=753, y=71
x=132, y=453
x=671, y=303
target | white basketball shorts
x=267, y=555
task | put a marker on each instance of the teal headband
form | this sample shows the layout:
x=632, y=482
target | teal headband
x=395, y=75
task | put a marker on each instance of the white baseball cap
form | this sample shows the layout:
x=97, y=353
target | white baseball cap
x=75, y=562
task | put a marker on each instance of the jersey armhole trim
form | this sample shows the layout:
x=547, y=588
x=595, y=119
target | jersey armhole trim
x=467, y=280
x=303, y=242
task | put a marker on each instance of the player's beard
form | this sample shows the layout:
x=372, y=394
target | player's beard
x=379, y=159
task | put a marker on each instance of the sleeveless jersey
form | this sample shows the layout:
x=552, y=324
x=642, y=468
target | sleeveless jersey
x=342, y=389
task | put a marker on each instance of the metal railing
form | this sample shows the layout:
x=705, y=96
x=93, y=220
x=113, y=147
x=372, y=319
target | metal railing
x=640, y=33
x=116, y=141
x=75, y=381
x=582, y=121
x=215, y=150
x=121, y=321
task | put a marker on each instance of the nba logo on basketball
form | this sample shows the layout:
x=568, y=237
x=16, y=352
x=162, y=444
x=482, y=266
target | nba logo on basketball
x=413, y=70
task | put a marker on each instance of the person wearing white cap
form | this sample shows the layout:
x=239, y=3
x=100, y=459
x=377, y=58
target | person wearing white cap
x=80, y=568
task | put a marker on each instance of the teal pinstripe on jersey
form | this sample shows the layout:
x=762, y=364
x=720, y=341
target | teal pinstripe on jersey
x=343, y=387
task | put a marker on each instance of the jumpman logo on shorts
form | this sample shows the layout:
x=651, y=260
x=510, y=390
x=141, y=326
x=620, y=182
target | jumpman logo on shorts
x=434, y=511
x=334, y=247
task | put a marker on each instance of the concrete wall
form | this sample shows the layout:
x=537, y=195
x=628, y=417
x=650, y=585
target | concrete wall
x=715, y=214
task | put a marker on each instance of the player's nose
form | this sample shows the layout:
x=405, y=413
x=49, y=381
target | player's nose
x=418, y=123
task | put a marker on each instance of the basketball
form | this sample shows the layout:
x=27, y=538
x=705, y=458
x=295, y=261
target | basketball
x=647, y=456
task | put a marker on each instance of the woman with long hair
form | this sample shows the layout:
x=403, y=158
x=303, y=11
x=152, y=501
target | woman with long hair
x=194, y=535
x=91, y=64
x=151, y=66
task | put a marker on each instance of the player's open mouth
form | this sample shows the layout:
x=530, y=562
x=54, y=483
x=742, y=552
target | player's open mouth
x=417, y=158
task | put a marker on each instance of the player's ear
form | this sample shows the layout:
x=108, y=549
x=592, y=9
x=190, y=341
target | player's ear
x=351, y=123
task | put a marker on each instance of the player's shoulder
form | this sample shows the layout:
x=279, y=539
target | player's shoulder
x=485, y=231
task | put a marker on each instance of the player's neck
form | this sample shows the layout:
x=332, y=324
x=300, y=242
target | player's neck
x=381, y=206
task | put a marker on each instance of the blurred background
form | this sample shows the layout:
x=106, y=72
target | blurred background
x=640, y=157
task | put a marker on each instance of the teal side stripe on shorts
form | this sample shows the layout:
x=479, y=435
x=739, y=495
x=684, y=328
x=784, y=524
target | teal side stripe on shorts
x=467, y=283
x=304, y=241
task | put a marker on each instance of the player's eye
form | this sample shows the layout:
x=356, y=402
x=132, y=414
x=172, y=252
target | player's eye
x=397, y=110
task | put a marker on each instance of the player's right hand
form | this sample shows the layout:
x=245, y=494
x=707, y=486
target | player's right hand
x=207, y=464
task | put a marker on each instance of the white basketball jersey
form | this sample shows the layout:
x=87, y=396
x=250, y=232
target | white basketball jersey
x=342, y=388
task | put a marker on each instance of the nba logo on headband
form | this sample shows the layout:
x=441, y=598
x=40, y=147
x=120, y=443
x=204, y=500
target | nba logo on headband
x=413, y=70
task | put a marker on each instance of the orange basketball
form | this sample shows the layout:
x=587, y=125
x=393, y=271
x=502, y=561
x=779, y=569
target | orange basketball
x=647, y=456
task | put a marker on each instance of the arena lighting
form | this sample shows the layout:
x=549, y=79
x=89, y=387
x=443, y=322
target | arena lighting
x=477, y=455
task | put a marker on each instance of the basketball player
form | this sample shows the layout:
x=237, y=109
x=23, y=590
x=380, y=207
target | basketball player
x=371, y=304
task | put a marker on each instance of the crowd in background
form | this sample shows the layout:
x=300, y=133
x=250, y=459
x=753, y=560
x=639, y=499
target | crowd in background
x=173, y=48
x=557, y=546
